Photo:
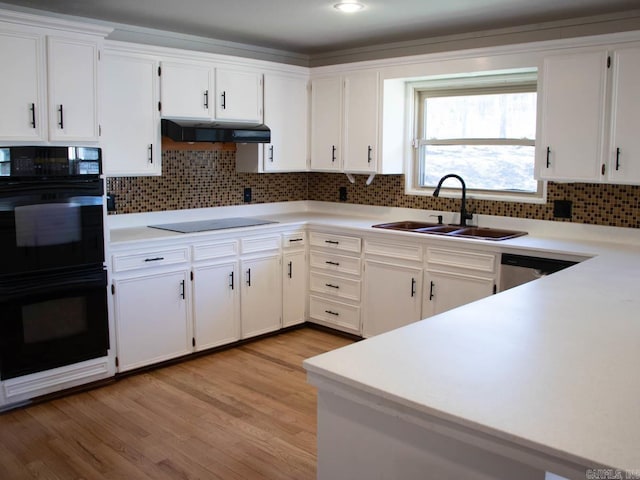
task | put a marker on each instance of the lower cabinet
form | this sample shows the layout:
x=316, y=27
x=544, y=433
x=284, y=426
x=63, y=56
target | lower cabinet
x=216, y=305
x=294, y=288
x=152, y=318
x=392, y=296
x=261, y=295
x=455, y=277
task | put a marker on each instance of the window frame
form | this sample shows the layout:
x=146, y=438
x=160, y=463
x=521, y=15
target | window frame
x=524, y=80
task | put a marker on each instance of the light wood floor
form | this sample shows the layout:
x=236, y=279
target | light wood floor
x=243, y=413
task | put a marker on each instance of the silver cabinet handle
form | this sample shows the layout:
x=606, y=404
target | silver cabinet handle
x=224, y=100
x=206, y=99
x=182, y=289
x=150, y=149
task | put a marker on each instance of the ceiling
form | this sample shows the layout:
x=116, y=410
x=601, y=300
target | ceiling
x=311, y=27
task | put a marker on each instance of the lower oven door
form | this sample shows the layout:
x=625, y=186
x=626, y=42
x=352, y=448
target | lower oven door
x=52, y=320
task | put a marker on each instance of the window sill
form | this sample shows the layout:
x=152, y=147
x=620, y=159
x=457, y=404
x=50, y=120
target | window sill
x=474, y=195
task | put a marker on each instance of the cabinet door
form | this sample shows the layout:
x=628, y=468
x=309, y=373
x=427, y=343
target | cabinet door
x=446, y=290
x=624, y=154
x=72, y=74
x=129, y=126
x=285, y=113
x=216, y=305
x=326, y=123
x=573, y=109
x=185, y=90
x=392, y=297
x=294, y=286
x=152, y=322
x=361, y=122
x=21, y=87
x=261, y=295
x=238, y=96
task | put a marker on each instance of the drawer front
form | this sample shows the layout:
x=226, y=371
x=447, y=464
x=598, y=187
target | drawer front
x=339, y=314
x=335, y=286
x=294, y=240
x=206, y=251
x=260, y=244
x=336, y=242
x=154, y=258
x=335, y=263
x=393, y=250
x=481, y=262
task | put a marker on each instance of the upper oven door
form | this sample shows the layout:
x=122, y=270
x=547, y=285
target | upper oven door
x=51, y=224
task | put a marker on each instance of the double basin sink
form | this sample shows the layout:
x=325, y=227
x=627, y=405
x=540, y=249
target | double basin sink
x=482, y=233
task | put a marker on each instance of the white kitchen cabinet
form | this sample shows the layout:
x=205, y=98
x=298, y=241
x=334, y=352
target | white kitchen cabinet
x=130, y=132
x=294, y=293
x=238, y=96
x=261, y=294
x=392, y=285
x=185, y=90
x=624, y=148
x=456, y=277
x=285, y=113
x=22, y=93
x=573, y=115
x=335, y=281
x=216, y=304
x=361, y=116
x=392, y=296
x=152, y=317
x=73, y=89
x=294, y=278
x=70, y=74
x=326, y=124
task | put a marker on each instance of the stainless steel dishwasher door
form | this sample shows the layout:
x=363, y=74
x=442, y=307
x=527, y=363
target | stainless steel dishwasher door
x=518, y=269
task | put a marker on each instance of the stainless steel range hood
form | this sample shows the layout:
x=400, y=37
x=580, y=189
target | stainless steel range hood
x=199, y=131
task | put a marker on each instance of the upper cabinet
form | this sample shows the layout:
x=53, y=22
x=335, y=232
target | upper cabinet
x=73, y=89
x=238, y=96
x=130, y=141
x=22, y=100
x=326, y=124
x=185, y=88
x=346, y=120
x=285, y=113
x=624, y=147
x=590, y=107
x=64, y=67
x=361, y=117
x=198, y=90
x=573, y=109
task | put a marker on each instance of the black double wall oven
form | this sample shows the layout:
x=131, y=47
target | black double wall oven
x=53, y=282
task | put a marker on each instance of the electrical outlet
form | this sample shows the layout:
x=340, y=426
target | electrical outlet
x=562, y=208
x=343, y=194
x=247, y=195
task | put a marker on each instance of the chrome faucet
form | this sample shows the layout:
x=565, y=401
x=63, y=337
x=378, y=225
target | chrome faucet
x=464, y=215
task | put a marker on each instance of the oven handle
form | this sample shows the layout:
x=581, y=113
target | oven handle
x=17, y=287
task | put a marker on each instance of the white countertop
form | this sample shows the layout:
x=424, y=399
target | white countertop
x=551, y=365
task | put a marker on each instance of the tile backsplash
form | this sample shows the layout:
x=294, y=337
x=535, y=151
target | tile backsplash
x=208, y=178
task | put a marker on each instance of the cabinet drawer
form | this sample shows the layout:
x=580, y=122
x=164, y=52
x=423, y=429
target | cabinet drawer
x=337, y=313
x=294, y=240
x=260, y=244
x=393, y=250
x=337, y=242
x=155, y=258
x=481, y=262
x=215, y=250
x=335, y=263
x=335, y=286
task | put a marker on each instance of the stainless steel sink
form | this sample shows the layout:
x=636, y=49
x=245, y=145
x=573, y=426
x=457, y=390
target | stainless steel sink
x=482, y=233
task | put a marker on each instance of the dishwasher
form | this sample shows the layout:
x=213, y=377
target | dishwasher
x=518, y=269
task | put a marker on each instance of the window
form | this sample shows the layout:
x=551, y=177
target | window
x=482, y=129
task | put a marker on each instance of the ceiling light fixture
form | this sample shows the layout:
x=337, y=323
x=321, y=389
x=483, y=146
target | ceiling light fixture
x=348, y=7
